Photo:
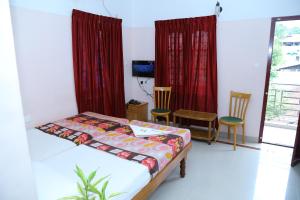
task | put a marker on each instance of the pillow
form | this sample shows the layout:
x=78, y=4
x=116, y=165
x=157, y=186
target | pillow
x=146, y=132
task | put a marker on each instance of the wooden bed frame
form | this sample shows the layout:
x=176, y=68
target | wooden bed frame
x=163, y=174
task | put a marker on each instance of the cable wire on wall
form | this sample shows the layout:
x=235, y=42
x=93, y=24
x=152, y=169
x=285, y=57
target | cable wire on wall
x=106, y=9
x=143, y=88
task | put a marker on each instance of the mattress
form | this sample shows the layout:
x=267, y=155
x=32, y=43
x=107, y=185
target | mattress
x=43, y=146
x=125, y=176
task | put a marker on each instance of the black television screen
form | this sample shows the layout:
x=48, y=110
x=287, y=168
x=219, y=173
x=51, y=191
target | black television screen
x=143, y=68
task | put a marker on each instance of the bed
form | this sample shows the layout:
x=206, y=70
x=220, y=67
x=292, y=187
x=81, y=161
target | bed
x=59, y=170
x=44, y=146
x=108, y=144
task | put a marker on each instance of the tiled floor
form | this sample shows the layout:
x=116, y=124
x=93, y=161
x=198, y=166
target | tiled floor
x=216, y=172
x=279, y=136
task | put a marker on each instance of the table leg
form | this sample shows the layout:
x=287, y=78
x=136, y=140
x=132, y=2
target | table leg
x=214, y=128
x=174, y=120
x=209, y=132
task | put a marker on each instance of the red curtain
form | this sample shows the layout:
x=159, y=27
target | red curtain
x=98, y=63
x=186, y=60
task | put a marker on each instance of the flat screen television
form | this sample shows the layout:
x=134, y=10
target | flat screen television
x=143, y=68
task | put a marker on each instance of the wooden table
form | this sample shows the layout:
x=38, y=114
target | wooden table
x=201, y=116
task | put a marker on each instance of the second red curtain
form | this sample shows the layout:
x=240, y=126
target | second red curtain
x=98, y=63
x=186, y=60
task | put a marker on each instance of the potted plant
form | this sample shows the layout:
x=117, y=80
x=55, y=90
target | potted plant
x=88, y=188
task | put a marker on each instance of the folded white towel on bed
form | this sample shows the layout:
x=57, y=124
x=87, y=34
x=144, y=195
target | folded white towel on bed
x=146, y=132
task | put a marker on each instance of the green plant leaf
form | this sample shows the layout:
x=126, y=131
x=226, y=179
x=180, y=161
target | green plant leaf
x=91, y=196
x=104, y=189
x=114, y=194
x=88, y=190
x=80, y=189
x=91, y=176
x=80, y=174
x=99, y=181
x=94, y=189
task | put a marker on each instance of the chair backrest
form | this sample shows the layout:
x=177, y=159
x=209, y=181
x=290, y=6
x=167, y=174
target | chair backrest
x=162, y=96
x=238, y=104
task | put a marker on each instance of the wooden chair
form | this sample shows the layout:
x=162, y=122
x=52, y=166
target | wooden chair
x=162, y=96
x=237, y=112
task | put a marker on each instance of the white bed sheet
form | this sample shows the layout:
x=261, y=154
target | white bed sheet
x=55, y=177
x=43, y=146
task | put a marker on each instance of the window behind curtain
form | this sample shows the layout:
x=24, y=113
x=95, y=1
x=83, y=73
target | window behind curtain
x=186, y=61
x=98, y=63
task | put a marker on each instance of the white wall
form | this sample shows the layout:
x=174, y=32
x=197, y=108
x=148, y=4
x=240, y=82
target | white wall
x=127, y=54
x=145, y=12
x=242, y=61
x=243, y=35
x=142, y=48
x=16, y=180
x=117, y=8
x=44, y=55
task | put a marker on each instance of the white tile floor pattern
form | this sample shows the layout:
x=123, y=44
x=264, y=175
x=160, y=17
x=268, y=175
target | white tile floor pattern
x=216, y=172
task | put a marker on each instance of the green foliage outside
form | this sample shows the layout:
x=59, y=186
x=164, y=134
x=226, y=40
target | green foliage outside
x=277, y=58
x=294, y=30
x=277, y=55
x=274, y=104
x=88, y=188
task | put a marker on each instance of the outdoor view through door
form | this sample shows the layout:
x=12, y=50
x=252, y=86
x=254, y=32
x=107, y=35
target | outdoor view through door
x=282, y=98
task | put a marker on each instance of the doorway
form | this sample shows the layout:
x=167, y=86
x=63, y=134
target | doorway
x=281, y=106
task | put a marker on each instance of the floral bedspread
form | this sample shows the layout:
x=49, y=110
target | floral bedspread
x=75, y=136
x=114, y=136
x=184, y=133
x=176, y=142
x=125, y=152
x=154, y=155
x=83, y=127
x=92, y=123
x=157, y=154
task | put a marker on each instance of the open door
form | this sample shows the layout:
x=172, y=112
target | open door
x=281, y=105
x=296, y=154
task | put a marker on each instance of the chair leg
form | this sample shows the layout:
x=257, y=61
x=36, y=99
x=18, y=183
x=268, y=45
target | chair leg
x=152, y=118
x=243, y=126
x=168, y=122
x=228, y=133
x=218, y=133
x=234, y=135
